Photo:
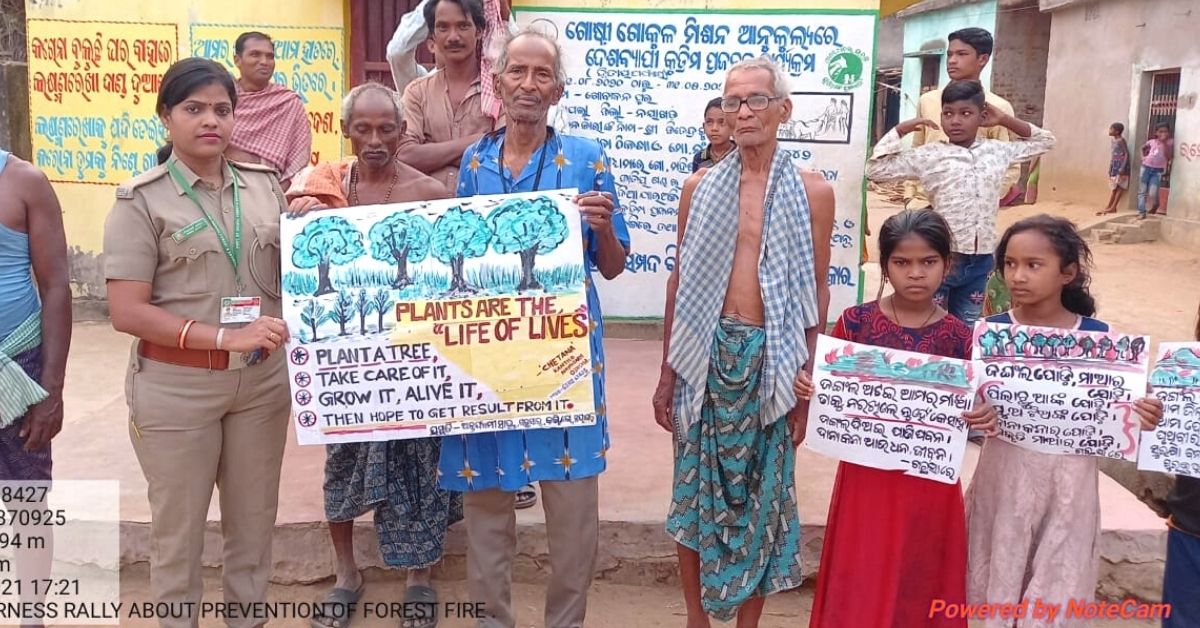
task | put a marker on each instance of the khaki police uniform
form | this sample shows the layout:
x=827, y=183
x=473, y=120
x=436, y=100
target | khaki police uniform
x=209, y=422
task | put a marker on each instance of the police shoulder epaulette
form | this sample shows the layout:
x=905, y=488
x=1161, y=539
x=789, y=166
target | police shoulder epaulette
x=125, y=190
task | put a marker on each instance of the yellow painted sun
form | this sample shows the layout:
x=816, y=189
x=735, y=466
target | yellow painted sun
x=598, y=367
x=599, y=166
x=560, y=160
x=475, y=162
x=527, y=464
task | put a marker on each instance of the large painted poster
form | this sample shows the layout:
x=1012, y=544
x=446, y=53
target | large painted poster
x=437, y=318
x=638, y=82
x=92, y=88
x=308, y=60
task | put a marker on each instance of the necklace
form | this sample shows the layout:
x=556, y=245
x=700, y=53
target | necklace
x=896, y=315
x=354, y=184
x=716, y=158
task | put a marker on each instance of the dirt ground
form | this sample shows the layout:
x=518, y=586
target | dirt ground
x=609, y=605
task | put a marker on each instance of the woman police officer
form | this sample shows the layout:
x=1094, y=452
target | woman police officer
x=192, y=266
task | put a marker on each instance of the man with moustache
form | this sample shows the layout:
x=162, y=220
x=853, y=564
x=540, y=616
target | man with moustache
x=443, y=110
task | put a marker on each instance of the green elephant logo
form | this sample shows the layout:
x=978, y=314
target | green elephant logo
x=845, y=68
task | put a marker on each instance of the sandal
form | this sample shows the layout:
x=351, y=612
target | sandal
x=338, y=602
x=1105, y=212
x=420, y=607
x=526, y=497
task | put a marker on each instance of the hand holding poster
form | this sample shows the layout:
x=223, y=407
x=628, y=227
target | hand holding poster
x=436, y=318
x=1062, y=391
x=1174, y=446
x=890, y=409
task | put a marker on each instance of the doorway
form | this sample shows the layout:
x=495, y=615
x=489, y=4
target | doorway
x=372, y=23
x=1162, y=109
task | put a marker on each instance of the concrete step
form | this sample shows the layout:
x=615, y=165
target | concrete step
x=1103, y=235
x=1140, y=231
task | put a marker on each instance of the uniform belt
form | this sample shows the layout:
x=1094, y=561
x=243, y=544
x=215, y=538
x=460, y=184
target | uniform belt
x=195, y=358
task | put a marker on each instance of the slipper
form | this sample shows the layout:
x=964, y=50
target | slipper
x=1106, y=212
x=421, y=607
x=526, y=497
x=338, y=600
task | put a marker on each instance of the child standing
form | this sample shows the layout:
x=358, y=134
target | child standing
x=962, y=178
x=894, y=543
x=1118, y=168
x=1181, y=581
x=1034, y=518
x=1156, y=164
x=720, y=137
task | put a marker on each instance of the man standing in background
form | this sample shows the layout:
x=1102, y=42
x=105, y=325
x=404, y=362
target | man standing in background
x=967, y=54
x=443, y=110
x=271, y=126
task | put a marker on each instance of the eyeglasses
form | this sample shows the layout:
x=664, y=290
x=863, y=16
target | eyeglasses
x=756, y=103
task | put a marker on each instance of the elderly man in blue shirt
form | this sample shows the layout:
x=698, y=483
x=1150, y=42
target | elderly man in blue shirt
x=528, y=155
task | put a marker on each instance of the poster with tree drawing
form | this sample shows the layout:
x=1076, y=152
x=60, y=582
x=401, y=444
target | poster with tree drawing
x=890, y=409
x=437, y=318
x=1064, y=391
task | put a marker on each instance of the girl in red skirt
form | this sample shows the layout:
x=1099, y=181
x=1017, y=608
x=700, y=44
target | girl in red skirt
x=895, y=544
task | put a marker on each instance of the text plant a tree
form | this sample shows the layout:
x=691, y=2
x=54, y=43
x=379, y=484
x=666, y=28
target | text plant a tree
x=528, y=228
x=460, y=234
x=399, y=239
x=324, y=242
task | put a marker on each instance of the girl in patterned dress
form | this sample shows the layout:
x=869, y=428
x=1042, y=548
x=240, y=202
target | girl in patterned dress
x=1034, y=518
x=895, y=543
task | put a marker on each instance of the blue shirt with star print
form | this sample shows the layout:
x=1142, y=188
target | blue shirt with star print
x=509, y=460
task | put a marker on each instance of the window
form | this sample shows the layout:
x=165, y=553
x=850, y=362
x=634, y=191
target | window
x=931, y=69
x=1164, y=99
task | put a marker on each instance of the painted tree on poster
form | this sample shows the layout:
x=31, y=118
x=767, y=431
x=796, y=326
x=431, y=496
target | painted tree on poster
x=399, y=239
x=460, y=234
x=324, y=242
x=528, y=227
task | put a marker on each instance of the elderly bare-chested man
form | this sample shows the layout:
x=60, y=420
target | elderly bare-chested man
x=744, y=307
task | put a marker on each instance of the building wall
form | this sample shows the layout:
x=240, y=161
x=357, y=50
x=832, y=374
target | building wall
x=86, y=205
x=1019, y=60
x=1100, y=54
x=922, y=28
x=889, y=43
x=86, y=200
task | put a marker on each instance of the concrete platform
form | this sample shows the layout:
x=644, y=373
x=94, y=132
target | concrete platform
x=634, y=492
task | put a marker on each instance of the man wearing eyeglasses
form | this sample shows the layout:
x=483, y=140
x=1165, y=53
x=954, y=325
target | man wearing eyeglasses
x=741, y=325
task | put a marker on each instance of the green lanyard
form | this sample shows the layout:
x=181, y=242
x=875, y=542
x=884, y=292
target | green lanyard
x=232, y=252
